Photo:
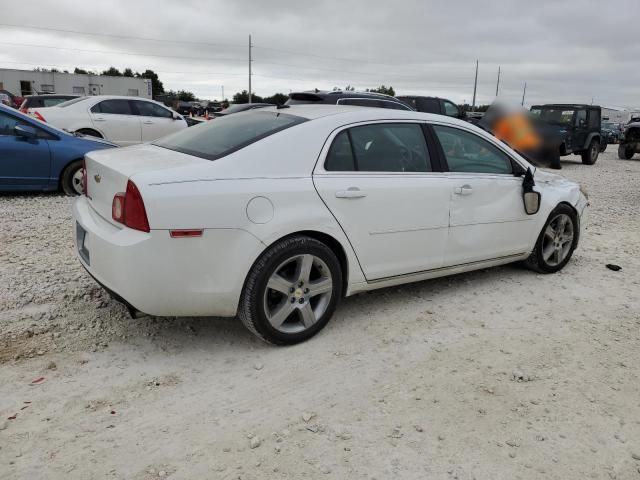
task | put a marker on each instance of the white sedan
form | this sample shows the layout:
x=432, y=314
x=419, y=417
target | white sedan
x=121, y=120
x=274, y=215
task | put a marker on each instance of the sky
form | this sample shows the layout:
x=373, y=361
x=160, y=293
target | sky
x=580, y=51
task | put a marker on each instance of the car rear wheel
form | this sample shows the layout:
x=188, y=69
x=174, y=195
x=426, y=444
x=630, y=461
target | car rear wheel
x=291, y=291
x=71, y=180
x=624, y=152
x=590, y=155
x=556, y=242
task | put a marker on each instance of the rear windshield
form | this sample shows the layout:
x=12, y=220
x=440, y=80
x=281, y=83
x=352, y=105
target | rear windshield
x=225, y=135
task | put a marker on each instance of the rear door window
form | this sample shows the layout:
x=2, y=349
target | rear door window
x=391, y=147
x=229, y=133
x=113, y=107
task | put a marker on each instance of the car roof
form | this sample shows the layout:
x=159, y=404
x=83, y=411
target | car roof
x=566, y=105
x=357, y=113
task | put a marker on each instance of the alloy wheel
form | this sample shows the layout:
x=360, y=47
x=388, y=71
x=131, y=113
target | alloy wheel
x=76, y=181
x=298, y=293
x=558, y=240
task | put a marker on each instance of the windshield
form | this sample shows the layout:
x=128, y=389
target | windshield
x=558, y=116
x=225, y=135
x=71, y=102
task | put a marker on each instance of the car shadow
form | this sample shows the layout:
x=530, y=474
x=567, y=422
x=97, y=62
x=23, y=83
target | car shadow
x=180, y=334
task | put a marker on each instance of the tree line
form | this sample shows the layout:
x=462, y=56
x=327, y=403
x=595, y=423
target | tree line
x=239, y=97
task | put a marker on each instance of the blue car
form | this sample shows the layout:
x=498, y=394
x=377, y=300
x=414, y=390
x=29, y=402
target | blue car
x=36, y=156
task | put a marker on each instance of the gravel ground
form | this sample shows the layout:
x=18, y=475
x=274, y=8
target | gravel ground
x=496, y=374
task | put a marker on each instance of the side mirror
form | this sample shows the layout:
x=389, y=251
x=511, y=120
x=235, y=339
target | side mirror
x=531, y=202
x=25, y=131
x=530, y=197
x=176, y=117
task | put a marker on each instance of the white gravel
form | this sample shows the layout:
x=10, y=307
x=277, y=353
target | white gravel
x=497, y=374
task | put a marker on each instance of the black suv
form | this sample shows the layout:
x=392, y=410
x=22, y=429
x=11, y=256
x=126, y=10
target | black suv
x=339, y=97
x=572, y=128
x=437, y=105
x=630, y=140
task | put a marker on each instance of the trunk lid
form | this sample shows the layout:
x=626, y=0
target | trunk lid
x=108, y=171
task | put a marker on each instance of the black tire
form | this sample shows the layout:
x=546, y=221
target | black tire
x=554, y=157
x=69, y=179
x=89, y=132
x=251, y=310
x=624, y=152
x=590, y=155
x=536, y=260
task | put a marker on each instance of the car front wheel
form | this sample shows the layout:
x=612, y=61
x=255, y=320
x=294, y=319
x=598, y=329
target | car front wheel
x=556, y=242
x=291, y=291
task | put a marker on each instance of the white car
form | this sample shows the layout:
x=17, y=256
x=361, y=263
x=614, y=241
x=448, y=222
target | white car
x=274, y=214
x=121, y=120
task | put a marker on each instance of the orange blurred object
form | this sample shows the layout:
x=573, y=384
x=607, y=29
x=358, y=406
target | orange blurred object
x=516, y=130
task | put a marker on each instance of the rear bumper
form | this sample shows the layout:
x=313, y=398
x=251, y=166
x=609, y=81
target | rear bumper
x=165, y=276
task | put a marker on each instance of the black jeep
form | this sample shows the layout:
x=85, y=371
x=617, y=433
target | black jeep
x=572, y=128
x=630, y=139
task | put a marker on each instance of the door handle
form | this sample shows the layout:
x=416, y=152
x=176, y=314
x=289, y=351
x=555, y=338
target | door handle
x=463, y=190
x=100, y=119
x=148, y=122
x=351, y=192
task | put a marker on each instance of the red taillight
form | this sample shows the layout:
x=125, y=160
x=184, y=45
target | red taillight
x=128, y=209
x=39, y=117
x=85, y=183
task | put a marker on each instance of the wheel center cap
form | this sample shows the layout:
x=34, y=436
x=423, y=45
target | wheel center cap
x=298, y=293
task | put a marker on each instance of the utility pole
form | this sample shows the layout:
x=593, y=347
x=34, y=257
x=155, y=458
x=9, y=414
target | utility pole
x=498, y=84
x=475, y=86
x=222, y=93
x=524, y=91
x=250, y=68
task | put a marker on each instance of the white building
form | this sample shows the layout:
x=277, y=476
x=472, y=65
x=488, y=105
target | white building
x=28, y=82
x=619, y=115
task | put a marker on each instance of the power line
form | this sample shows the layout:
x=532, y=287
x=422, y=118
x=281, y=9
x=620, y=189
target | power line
x=61, y=30
x=111, y=52
x=137, y=54
x=191, y=42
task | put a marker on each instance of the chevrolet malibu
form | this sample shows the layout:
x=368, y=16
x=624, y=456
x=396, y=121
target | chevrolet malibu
x=276, y=214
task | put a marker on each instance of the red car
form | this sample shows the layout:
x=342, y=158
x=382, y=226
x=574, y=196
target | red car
x=16, y=101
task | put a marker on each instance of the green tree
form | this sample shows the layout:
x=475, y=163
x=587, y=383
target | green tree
x=243, y=97
x=156, y=84
x=276, y=98
x=185, y=96
x=112, y=72
x=382, y=89
x=127, y=72
x=80, y=71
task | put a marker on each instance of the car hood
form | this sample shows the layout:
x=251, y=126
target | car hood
x=98, y=142
x=549, y=178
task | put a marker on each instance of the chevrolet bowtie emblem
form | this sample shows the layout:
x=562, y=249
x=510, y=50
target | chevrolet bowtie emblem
x=97, y=178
